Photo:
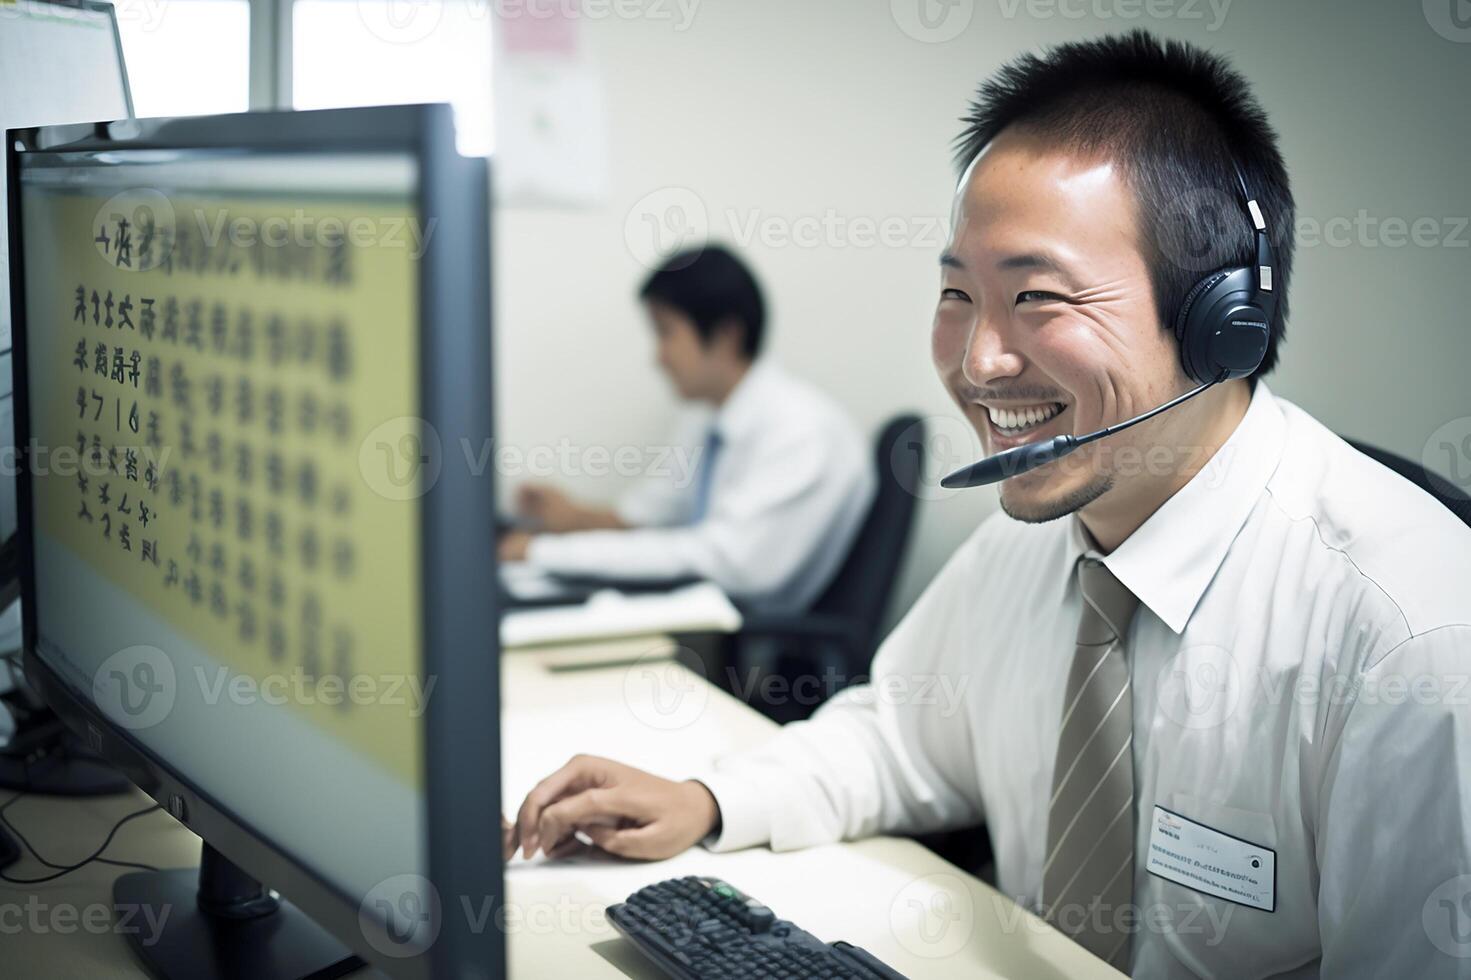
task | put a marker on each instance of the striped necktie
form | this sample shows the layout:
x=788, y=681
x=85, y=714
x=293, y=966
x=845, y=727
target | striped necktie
x=1089, y=873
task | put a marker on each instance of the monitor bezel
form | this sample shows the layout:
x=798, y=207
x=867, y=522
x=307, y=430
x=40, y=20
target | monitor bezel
x=458, y=602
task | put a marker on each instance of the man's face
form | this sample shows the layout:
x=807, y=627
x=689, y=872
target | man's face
x=681, y=353
x=1046, y=324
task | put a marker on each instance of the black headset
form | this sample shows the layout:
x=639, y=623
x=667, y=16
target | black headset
x=1225, y=320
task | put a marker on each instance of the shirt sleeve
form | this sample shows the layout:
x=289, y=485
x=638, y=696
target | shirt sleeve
x=1394, y=818
x=893, y=755
x=664, y=496
x=770, y=511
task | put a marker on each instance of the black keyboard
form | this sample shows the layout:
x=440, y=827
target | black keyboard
x=702, y=928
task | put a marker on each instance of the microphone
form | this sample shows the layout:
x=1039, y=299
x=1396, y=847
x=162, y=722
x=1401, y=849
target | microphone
x=1022, y=459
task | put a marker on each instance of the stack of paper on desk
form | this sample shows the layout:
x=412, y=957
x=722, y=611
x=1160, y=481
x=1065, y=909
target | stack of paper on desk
x=693, y=609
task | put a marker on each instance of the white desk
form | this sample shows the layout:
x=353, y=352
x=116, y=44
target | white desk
x=893, y=897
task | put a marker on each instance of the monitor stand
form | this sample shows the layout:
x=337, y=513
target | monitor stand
x=221, y=924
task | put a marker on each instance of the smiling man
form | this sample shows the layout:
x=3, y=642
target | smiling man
x=1216, y=717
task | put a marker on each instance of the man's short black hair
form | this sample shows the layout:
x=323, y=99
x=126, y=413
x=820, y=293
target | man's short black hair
x=713, y=288
x=1174, y=117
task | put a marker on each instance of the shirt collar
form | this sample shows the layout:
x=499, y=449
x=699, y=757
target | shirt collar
x=1170, y=560
x=742, y=407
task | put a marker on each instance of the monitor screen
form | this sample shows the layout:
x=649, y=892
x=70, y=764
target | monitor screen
x=222, y=381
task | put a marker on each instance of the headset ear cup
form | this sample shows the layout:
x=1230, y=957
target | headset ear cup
x=1194, y=338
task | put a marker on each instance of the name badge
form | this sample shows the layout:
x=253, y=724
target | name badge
x=1211, y=862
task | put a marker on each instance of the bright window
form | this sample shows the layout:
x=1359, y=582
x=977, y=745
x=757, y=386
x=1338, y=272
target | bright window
x=186, y=57
x=380, y=52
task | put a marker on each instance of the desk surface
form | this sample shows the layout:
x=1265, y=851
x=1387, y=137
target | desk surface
x=913, y=910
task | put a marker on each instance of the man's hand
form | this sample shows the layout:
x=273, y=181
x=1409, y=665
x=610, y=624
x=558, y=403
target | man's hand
x=508, y=838
x=512, y=545
x=622, y=810
x=549, y=507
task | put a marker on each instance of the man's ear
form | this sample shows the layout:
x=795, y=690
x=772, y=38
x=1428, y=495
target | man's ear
x=729, y=337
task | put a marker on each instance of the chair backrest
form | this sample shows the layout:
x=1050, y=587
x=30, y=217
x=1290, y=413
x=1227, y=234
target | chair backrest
x=861, y=589
x=1432, y=483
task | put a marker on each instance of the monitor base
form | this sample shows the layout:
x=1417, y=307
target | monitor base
x=245, y=934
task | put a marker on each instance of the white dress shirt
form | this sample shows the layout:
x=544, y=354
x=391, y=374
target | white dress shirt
x=791, y=485
x=1299, y=664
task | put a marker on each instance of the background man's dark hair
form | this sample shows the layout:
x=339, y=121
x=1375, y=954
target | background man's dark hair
x=712, y=287
x=1174, y=117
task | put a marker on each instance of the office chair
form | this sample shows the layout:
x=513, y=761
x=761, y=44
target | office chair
x=840, y=632
x=1432, y=483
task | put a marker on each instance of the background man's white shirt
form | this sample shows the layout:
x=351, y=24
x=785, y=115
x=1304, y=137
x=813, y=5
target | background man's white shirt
x=791, y=485
x=1299, y=665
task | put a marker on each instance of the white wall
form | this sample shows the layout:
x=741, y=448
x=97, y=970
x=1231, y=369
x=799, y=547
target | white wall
x=781, y=110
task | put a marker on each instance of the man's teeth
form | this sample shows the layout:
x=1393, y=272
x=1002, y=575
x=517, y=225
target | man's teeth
x=1024, y=417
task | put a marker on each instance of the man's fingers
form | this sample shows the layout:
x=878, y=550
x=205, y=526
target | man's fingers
x=640, y=843
x=508, y=838
x=576, y=775
x=578, y=812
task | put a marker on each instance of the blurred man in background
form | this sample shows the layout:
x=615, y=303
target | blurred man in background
x=781, y=481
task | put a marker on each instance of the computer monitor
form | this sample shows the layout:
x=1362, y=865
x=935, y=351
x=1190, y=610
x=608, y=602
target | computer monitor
x=251, y=577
